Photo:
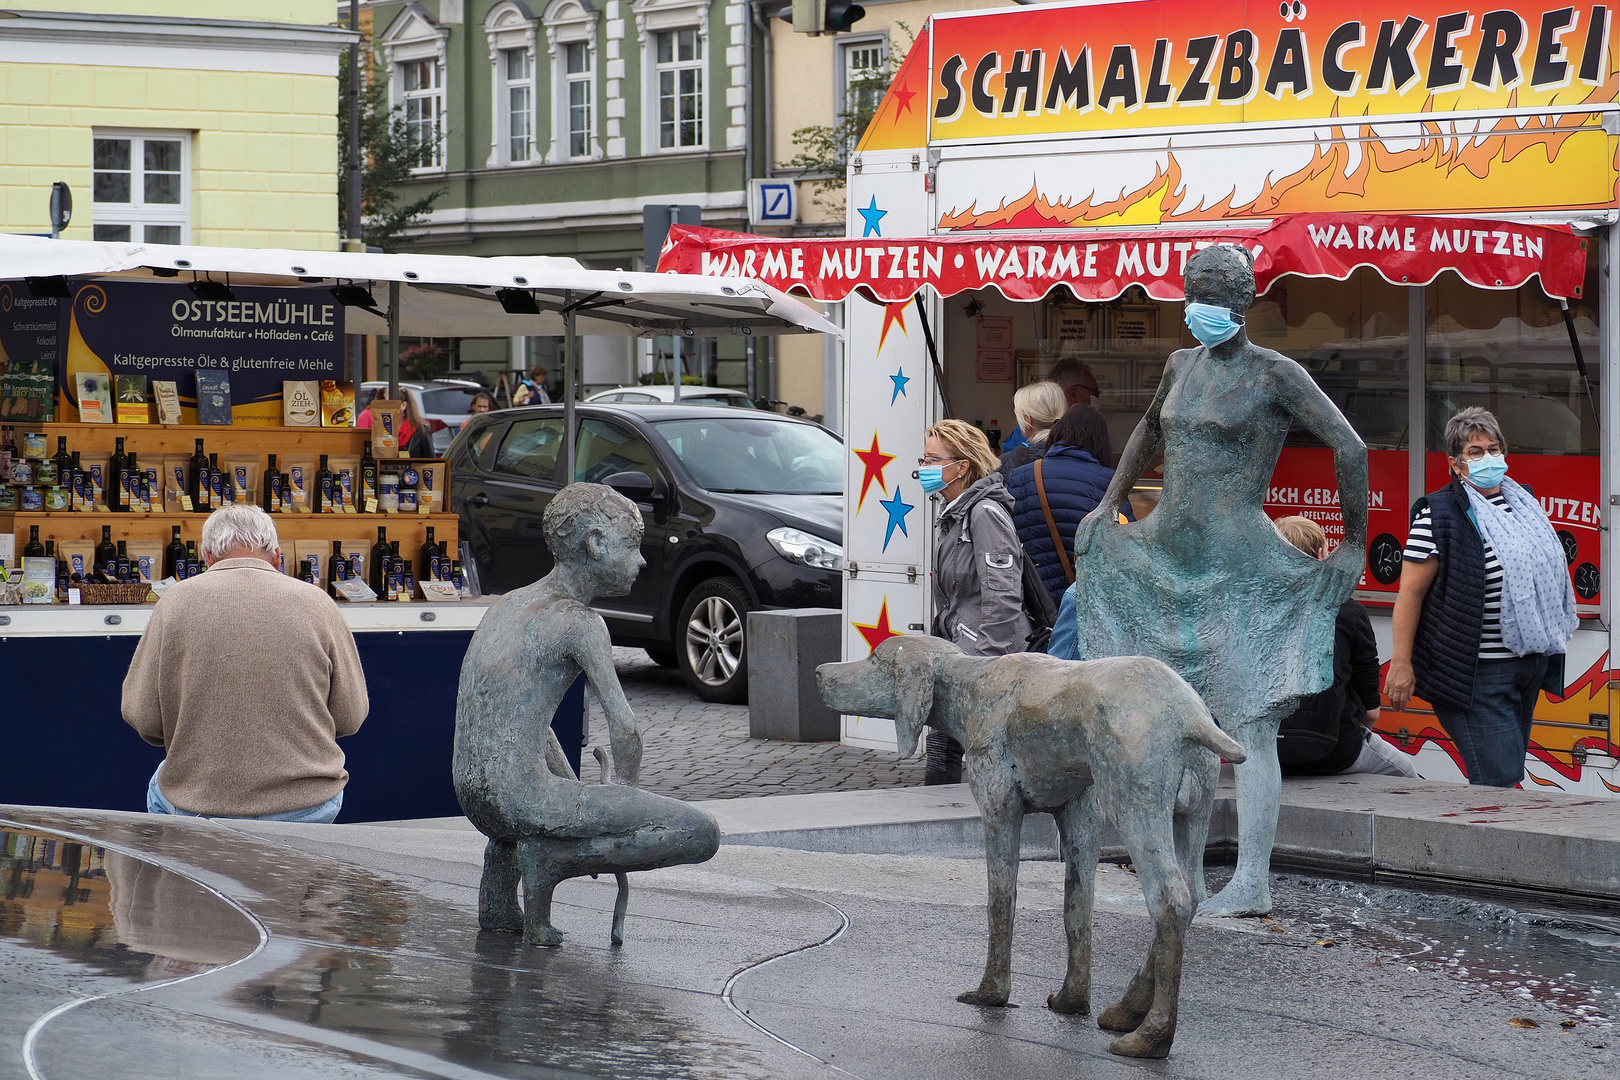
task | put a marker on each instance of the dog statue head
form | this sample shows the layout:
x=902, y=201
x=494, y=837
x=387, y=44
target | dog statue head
x=896, y=681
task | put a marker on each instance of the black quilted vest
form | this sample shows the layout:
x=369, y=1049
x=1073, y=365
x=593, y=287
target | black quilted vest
x=1445, y=655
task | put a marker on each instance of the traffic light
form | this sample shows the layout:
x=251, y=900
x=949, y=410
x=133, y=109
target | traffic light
x=822, y=16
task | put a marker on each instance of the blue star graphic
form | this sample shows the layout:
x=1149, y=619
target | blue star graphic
x=899, y=378
x=872, y=215
x=897, y=509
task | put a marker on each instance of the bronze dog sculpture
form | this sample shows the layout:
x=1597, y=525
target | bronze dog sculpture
x=1124, y=739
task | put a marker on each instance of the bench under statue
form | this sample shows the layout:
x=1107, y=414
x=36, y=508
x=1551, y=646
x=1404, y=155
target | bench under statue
x=510, y=774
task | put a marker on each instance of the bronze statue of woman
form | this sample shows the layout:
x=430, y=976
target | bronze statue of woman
x=1205, y=583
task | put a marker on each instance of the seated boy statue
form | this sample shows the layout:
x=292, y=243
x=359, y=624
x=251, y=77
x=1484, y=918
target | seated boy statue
x=510, y=775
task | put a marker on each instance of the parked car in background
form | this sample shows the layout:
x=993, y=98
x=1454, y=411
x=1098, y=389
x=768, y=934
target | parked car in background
x=743, y=510
x=690, y=395
x=444, y=403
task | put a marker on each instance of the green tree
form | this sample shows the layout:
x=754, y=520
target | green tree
x=388, y=150
x=824, y=149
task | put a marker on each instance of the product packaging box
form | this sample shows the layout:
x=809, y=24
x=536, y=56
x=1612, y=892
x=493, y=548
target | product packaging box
x=28, y=391
x=80, y=554
x=346, y=466
x=301, y=403
x=8, y=550
x=167, y=395
x=39, y=579
x=300, y=470
x=385, y=418
x=95, y=397
x=132, y=406
x=148, y=556
x=243, y=471
x=337, y=404
x=362, y=548
x=430, y=496
x=174, y=468
x=316, y=551
x=214, y=397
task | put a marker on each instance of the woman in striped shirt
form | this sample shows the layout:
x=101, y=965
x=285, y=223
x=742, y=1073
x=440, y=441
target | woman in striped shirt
x=1485, y=608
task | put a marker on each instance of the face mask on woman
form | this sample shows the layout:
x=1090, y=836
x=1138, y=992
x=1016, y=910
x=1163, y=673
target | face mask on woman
x=1212, y=324
x=1487, y=471
x=932, y=478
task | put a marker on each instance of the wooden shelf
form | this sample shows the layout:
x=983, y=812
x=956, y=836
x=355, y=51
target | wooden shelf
x=60, y=525
x=97, y=440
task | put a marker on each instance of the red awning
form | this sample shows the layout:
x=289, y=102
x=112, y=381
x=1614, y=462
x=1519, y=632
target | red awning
x=1099, y=264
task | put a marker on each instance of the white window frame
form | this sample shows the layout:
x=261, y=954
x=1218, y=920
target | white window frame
x=137, y=213
x=511, y=26
x=572, y=22
x=414, y=36
x=842, y=72
x=652, y=18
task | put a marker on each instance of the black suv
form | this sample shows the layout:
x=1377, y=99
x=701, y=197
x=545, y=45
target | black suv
x=743, y=510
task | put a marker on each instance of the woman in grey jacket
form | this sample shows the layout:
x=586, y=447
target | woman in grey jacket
x=978, y=576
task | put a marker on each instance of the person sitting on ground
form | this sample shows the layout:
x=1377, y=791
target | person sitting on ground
x=197, y=685
x=1036, y=408
x=1074, y=481
x=1331, y=732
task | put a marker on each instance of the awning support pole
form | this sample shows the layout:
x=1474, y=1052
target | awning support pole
x=933, y=353
x=1417, y=400
x=1580, y=364
x=569, y=353
x=393, y=341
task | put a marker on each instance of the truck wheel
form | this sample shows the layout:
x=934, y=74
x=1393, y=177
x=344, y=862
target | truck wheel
x=710, y=645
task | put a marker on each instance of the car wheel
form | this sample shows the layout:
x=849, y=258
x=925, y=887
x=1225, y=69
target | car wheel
x=662, y=657
x=710, y=646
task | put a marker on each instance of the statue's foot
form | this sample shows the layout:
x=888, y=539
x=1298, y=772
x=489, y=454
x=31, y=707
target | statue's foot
x=1069, y=1002
x=503, y=921
x=996, y=999
x=1120, y=1017
x=1145, y=1042
x=1238, y=900
x=545, y=934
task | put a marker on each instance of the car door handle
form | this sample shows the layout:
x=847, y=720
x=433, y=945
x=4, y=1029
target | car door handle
x=478, y=500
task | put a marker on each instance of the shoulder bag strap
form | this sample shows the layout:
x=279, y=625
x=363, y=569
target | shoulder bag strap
x=1057, y=537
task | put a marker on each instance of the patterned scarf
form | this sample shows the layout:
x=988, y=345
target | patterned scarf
x=1538, y=604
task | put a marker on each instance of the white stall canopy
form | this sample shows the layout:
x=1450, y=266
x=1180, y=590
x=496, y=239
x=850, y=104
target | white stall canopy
x=445, y=295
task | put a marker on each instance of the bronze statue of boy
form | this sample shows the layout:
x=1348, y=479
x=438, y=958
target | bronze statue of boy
x=510, y=775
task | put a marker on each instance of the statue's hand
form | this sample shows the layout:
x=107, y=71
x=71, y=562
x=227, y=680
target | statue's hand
x=1085, y=535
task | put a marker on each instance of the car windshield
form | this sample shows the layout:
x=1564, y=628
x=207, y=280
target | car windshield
x=748, y=456
x=454, y=401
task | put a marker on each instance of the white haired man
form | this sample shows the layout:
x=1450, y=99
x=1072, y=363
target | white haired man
x=197, y=686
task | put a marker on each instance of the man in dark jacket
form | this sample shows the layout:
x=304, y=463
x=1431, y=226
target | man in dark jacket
x=1331, y=732
x=1074, y=481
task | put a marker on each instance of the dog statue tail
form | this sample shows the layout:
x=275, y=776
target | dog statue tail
x=1201, y=729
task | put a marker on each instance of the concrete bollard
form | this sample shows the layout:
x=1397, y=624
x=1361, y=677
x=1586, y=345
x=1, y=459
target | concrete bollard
x=784, y=648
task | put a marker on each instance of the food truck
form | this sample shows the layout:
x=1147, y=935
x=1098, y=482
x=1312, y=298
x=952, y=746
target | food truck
x=1429, y=194
x=248, y=346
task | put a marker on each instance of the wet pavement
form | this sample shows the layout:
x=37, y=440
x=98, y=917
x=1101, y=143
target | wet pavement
x=193, y=948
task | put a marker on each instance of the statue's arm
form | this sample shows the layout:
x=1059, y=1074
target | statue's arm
x=593, y=650
x=1139, y=452
x=1306, y=403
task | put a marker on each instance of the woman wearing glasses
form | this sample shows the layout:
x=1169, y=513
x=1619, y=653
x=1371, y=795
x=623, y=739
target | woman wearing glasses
x=978, y=562
x=1485, y=608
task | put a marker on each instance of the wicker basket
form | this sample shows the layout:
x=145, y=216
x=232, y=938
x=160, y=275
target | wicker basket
x=130, y=593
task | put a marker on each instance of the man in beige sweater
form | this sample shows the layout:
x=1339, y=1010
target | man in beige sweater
x=247, y=678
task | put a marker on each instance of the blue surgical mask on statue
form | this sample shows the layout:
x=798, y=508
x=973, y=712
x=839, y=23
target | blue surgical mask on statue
x=932, y=478
x=1212, y=324
x=1487, y=471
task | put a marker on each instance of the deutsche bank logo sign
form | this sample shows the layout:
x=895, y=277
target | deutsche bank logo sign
x=773, y=202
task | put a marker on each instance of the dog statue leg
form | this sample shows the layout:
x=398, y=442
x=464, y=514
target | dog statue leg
x=497, y=890
x=1079, y=830
x=1259, y=796
x=1003, y=826
x=1195, y=803
x=1153, y=995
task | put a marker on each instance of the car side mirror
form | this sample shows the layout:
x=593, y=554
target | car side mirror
x=635, y=486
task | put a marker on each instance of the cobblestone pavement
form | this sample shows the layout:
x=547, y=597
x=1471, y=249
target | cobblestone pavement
x=694, y=750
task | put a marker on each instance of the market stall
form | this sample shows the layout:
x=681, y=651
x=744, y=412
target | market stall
x=146, y=385
x=1430, y=197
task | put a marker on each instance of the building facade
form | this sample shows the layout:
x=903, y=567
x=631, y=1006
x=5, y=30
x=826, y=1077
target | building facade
x=171, y=124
